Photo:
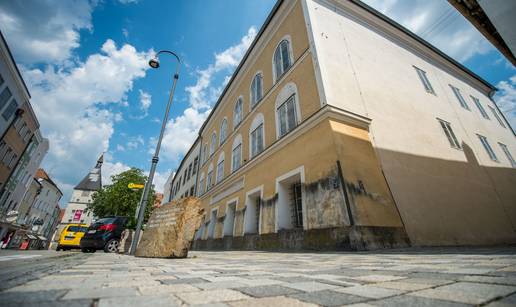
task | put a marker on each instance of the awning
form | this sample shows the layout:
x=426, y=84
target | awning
x=42, y=238
x=32, y=237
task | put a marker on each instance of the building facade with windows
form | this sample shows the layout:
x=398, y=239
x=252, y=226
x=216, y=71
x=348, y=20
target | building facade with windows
x=82, y=195
x=340, y=128
x=184, y=179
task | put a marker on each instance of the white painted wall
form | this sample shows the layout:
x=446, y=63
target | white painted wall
x=365, y=66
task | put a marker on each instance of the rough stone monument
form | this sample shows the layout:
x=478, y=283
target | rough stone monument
x=170, y=229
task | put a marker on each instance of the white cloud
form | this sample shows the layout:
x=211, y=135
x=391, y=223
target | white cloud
x=109, y=169
x=145, y=102
x=437, y=22
x=227, y=59
x=73, y=105
x=44, y=31
x=135, y=142
x=182, y=131
x=125, y=32
x=128, y=1
x=160, y=178
x=506, y=99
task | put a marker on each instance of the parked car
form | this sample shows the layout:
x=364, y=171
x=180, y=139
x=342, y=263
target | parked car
x=105, y=234
x=71, y=236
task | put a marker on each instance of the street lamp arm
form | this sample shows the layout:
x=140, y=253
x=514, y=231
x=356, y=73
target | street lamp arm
x=169, y=52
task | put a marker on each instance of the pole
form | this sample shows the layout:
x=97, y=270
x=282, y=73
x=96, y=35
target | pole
x=155, y=159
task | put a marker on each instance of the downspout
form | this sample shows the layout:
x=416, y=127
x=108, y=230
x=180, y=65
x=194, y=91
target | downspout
x=198, y=164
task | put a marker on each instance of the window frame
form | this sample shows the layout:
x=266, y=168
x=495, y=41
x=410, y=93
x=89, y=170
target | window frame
x=489, y=150
x=213, y=143
x=423, y=77
x=220, y=162
x=459, y=97
x=236, y=142
x=252, y=102
x=239, y=101
x=258, y=121
x=289, y=90
x=508, y=154
x=290, y=52
x=480, y=107
x=223, y=131
x=449, y=133
x=498, y=118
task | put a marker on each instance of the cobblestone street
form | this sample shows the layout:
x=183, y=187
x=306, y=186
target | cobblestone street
x=412, y=277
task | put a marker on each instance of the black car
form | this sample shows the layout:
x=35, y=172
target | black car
x=104, y=234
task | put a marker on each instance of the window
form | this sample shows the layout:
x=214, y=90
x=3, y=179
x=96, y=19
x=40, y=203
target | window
x=282, y=59
x=189, y=171
x=236, y=153
x=424, y=79
x=7, y=156
x=257, y=140
x=498, y=118
x=487, y=147
x=448, y=131
x=191, y=191
x=256, y=89
x=256, y=136
x=195, y=163
x=220, y=168
x=208, y=180
x=4, y=97
x=9, y=111
x=480, y=107
x=213, y=142
x=508, y=154
x=461, y=100
x=223, y=131
x=287, y=117
x=12, y=161
x=205, y=153
x=201, y=184
x=1, y=80
x=237, y=113
x=185, y=173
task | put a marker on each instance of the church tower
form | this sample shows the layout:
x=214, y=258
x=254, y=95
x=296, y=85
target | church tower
x=82, y=196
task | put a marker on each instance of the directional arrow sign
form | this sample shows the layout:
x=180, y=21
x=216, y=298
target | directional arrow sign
x=135, y=186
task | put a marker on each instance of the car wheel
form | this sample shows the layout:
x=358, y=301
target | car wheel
x=111, y=246
x=58, y=248
x=85, y=250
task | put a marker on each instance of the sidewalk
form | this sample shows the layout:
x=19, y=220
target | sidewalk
x=423, y=277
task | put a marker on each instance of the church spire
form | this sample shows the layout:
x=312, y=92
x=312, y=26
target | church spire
x=100, y=161
x=93, y=180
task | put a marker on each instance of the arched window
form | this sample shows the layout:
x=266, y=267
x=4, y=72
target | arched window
x=223, y=131
x=237, y=113
x=282, y=58
x=256, y=136
x=236, y=153
x=209, y=177
x=287, y=110
x=201, y=184
x=256, y=89
x=213, y=142
x=220, y=167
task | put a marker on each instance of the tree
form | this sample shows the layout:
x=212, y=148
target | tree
x=118, y=199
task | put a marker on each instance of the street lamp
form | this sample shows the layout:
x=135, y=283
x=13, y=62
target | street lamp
x=154, y=63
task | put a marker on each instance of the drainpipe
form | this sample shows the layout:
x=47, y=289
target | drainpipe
x=198, y=164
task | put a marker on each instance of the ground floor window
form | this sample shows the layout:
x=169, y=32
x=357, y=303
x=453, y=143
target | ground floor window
x=297, y=207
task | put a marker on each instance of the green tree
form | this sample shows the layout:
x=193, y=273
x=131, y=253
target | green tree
x=118, y=199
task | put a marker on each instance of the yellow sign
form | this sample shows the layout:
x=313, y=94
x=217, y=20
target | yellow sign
x=135, y=186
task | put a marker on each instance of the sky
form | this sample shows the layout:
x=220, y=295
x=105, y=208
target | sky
x=86, y=65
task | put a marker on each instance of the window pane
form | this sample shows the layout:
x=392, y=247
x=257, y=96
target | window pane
x=259, y=88
x=282, y=114
x=459, y=97
x=4, y=97
x=480, y=107
x=277, y=63
x=508, y=154
x=291, y=113
x=285, y=56
x=498, y=118
x=259, y=138
x=9, y=111
x=487, y=147
x=236, y=157
x=220, y=171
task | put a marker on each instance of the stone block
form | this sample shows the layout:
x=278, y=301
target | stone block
x=171, y=229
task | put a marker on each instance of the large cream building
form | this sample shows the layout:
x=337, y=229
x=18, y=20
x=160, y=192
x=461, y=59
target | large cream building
x=342, y=129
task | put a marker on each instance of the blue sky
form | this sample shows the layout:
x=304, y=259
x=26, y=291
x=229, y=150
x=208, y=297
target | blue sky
x=86, y=66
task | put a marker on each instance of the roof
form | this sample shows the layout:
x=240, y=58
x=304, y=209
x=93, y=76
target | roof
x=93, y=180
x=368, y=9
x=42, y=174
x=473, y=11
x=14, y=62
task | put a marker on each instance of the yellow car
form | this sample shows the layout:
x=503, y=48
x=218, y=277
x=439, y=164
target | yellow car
x=71, y=236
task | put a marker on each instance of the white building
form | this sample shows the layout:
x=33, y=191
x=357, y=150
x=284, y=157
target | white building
x=82, y=196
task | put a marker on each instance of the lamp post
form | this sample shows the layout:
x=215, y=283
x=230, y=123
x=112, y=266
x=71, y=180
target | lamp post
x=154, y=63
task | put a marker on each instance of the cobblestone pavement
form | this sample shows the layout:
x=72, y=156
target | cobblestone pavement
x=410, y=277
